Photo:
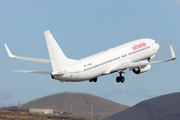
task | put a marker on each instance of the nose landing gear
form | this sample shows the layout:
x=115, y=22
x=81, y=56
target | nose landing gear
x=120, y=78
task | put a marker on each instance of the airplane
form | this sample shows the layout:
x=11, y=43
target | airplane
x=134, y=55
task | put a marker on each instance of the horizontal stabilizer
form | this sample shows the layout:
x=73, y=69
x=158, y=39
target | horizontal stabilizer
x=34, y=71
x=26, y=58
x=64, y=72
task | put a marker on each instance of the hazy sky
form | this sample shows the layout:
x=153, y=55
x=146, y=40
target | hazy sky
x=83, y=28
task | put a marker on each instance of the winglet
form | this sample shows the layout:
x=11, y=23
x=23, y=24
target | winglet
x=172, y=53
x=8, y=51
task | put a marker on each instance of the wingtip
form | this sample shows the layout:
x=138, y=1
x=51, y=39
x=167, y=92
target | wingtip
x=172, y=53
x=8, y=51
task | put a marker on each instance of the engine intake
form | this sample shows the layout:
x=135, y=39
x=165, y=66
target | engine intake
x=141, y=69
x=52, y=76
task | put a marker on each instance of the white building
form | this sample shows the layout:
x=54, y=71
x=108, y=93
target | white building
x=41, y=111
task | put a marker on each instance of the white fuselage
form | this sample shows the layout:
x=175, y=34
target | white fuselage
x=130, y=56
x=108, y=61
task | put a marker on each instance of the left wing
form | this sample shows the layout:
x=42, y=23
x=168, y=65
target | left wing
x=26, y=58
x=132, y=65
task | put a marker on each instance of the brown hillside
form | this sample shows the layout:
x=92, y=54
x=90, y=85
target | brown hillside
x=19, y=115
x=165, y=107
x=78, y=103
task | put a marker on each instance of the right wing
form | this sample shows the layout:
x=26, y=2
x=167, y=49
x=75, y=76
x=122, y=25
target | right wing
x=132, y=65
x=26, y=58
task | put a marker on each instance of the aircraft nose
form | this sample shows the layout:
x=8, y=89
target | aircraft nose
x=157, y=46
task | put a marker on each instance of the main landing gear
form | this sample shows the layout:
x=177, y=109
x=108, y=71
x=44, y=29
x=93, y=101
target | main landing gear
x=120, y=78
x=94, y=80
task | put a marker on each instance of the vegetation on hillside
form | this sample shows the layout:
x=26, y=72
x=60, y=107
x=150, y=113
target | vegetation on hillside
x=18, y=115
x=79, y=104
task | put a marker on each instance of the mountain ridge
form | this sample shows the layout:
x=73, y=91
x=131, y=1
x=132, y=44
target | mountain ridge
x=165, y=107
x=80, y=104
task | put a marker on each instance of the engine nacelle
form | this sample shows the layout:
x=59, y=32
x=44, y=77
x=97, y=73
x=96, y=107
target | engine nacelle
x=52, y=76
x=142, y=69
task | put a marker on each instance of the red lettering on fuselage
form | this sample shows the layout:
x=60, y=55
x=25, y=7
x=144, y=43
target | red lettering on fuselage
x=138, y=46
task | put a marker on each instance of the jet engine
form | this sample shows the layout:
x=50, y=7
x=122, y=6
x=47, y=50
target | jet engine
x=141, y=69
x=52, y=76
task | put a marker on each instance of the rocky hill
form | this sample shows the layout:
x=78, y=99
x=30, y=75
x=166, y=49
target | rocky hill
x=166, y=107
x=79, y=104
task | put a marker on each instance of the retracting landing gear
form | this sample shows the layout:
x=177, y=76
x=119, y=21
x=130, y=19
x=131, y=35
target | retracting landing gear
x=94, y=80
x=120, y=78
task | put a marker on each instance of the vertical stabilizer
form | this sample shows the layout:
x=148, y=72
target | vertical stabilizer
x=58, y=59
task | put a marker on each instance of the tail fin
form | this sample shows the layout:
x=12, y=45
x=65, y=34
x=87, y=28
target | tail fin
x=58, y=59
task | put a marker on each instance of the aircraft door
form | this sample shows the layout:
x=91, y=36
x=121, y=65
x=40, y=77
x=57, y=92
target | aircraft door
x=153, y=46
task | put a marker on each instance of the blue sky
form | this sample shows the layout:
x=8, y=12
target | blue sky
x=83, y=28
